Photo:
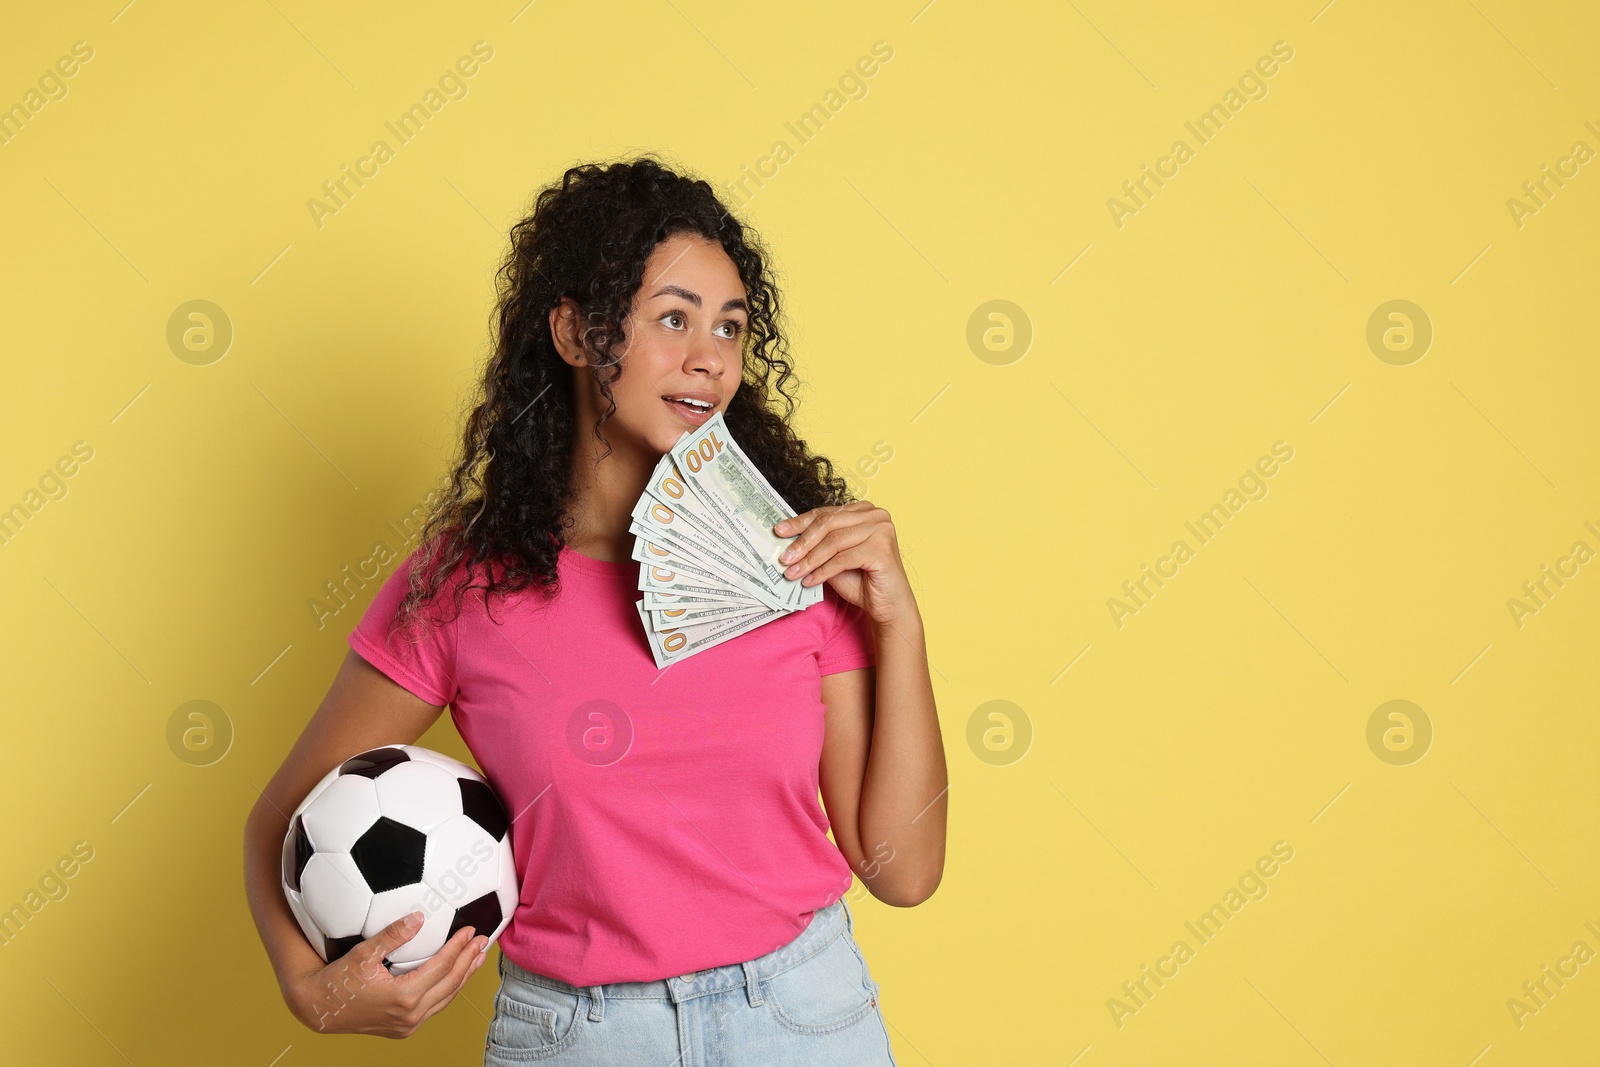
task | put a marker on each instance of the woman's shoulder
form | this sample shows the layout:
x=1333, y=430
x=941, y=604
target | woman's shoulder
x=452, y=588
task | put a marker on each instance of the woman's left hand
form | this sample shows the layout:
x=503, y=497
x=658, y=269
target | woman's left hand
x=853, y=547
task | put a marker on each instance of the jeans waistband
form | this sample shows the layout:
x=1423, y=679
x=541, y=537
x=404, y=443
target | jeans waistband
x=826, y=926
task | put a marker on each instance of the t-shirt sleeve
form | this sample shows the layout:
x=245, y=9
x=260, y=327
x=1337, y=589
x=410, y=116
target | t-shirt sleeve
x=849, y=644
x=421, y=660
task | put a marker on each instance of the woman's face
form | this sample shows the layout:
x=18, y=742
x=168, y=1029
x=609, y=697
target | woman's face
x=684, y=343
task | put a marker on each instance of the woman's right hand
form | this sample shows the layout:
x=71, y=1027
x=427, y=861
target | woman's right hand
x=356, y=994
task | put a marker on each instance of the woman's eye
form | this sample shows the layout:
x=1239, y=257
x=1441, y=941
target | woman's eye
x=735, y=328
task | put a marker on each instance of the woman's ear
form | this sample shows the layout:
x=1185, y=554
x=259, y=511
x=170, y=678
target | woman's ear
x=564, y=331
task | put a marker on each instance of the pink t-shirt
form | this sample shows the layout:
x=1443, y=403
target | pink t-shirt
x=665, y=822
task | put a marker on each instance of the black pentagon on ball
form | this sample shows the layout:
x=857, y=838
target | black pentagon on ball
x=483, y=915
x=374, y=761
x=479, y=804
x=389, y=855
x=296, y=854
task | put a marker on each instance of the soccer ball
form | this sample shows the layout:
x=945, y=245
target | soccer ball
x=391, y=831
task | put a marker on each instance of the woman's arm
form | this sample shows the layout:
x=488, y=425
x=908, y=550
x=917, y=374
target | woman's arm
x=355, y=994
x=883, y=774
x=883, y=770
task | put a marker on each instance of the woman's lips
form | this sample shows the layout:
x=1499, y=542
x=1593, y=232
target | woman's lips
x=689, y=413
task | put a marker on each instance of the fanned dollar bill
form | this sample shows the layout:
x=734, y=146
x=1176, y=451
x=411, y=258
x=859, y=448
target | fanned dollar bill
x=708, y=559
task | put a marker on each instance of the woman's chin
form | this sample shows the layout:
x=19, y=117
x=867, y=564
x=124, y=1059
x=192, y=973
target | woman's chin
x=669, y=435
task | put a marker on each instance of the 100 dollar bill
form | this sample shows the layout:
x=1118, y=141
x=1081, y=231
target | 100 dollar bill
x=722, y=478
x=690, y=574
x=667, y=486
x=672, y=645
x=669, y=526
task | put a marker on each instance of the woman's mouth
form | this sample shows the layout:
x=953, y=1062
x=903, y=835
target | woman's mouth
x=692, y=409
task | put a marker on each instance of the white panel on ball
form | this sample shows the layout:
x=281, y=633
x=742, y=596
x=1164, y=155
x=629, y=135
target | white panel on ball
x=438, y=759
x=507, y=887
x=335, y=894
x=461, y=862
x=308, y=925
x=341, y=813
x=316, y=790
x=421, y=795
x=397, y=904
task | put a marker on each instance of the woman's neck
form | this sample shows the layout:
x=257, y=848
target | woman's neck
x=602, y=498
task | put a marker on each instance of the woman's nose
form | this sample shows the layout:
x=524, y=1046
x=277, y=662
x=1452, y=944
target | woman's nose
x=703, y=354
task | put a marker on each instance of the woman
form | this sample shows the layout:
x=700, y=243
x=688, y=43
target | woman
x=679, y=896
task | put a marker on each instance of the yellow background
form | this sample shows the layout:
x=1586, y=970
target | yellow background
x=1229, y=313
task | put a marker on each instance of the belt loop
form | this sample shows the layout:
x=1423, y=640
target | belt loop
x=752, y=983
x=597, y=1003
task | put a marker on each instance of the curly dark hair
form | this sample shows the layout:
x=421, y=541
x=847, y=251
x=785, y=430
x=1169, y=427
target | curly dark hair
x=505, y=504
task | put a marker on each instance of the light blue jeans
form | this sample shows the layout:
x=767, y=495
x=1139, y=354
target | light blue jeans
x=810, y=1003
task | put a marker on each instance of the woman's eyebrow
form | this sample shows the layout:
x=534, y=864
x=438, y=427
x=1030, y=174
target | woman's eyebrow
x=737, y=303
